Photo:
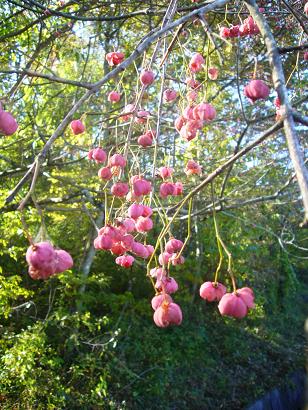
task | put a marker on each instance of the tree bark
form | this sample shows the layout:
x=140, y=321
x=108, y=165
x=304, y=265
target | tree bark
x=280, y=86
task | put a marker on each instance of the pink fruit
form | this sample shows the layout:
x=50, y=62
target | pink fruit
x=141, y=117
x=168, y=314
x=173, y=245
x=99, y=155
x=114, y=97
x=211, y=291
x=159, y=299
x=234, y=31
x=140, y=250
x=108, y=230
x=232, y=305
x=145, y=140
x=120, y=226
x=164, y=258
x=8, y=124
x=118, y=249
x=40, y=273
x=90, y=154
x=77, y=127
x=141, y=186
x=126, y=261
x=64, y=261
x=204, y=112
x=147, y=77
x=196, y=63
x=166, y=189
x=35, y=274
x=135, y=210
x=105, y=173
x=179, y=122
x=192, y=83
x=151, y=133
x=130, y=197
x=187, y=134
x=114, y=58
x=150, y=250
x=192, y=168
x=256, y=90
x=169, y=285
x=306, y=54
x=192, y=96
x=213, y=73
x=277, y=102
x=41, y=256
x=103, y=242
x=144, y=224
x=119, y=189
x=224, y=32
x=178, y=188
x=127, y=112
x=190, y=129
x=169, y=95
x=147, y=211
x=117, y=160
x=188, y=113
x=306, y=9
x=118, y=234
x=247, y=296
x=165, y=172
x=177, y=260
x=129, y=225
x=249, y=27
x=157, y=273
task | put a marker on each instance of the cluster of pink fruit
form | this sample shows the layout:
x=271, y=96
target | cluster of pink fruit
x=248, y=28
x=139, y=185
x=166, y=311
x=194, y=116
x=115, y=163
x=169, y=188
x=44, y=260
x=119, y=239
x=236, y=304
x=8, y=124
x=192, y=168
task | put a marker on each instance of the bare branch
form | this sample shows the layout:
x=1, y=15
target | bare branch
x=53, y=78
x=302, y=47
x=233, y=159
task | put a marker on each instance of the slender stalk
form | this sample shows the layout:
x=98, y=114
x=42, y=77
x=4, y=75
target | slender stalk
x=188, y=228
x=221, y=245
